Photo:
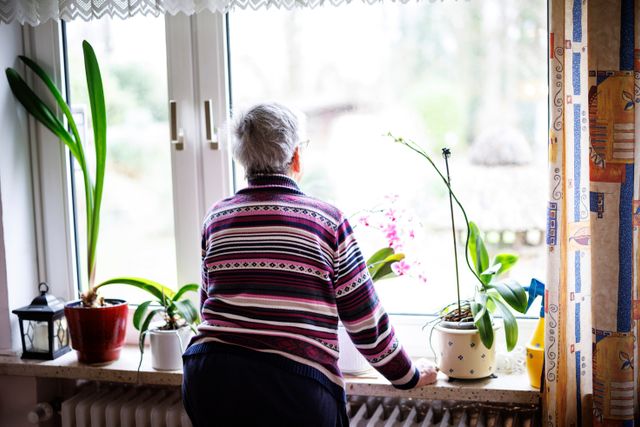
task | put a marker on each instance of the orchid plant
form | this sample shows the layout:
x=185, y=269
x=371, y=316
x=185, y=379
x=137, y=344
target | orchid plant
x=491, y=293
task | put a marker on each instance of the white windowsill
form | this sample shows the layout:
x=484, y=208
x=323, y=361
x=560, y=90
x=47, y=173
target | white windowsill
x=504, y=388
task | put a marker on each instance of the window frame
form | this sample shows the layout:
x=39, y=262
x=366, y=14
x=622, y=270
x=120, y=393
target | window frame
x=197, y=70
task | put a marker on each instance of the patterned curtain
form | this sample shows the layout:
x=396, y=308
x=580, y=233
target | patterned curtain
x=35, y=12
x=593, y=213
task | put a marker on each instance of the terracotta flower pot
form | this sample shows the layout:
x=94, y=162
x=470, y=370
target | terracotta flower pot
x=462, y=353
x=97, y=334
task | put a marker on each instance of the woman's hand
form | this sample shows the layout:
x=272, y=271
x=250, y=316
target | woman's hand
x=428, y=373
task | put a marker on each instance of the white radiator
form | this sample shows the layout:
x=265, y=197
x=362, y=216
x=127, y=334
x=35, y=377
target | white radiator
x=120, y=406
x=394, y=412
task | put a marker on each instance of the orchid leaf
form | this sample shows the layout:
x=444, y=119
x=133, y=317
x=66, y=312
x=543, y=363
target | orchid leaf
x=161, y=292
x=139, y=313
x=478, y=252
x=512, y=293
x=506, y=261
x=484, y=325
x=189, y=287
x=510, y=324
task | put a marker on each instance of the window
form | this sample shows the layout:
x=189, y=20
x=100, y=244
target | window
x=469, y=76
x=137, y=235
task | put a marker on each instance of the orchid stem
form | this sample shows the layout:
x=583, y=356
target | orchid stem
x=446, y=153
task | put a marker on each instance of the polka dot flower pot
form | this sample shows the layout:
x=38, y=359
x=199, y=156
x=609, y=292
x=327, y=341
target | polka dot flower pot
x=461, y=353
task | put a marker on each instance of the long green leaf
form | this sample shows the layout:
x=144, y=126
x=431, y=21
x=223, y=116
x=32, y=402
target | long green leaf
x=139, y=313
x=510, y=324
x=161, y=292
x=478, y=252
x=189, y=287
x=186, y=310
x=485, y=328
x=80, y=157
x=506, y=262
x=143, y=331
x=99, y=121
x=512, y=293
x=39, y=110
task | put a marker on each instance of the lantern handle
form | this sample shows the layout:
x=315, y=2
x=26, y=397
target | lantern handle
x=41, y=286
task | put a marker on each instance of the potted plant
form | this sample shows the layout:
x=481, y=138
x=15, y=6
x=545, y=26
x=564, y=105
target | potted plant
x=97, y=326
x=170, y=337
x=466, y=327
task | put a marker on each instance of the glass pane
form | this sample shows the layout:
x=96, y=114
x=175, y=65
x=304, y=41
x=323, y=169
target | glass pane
x=60, y=335
x=36, y=336
x=136, y=229
x=470, y=76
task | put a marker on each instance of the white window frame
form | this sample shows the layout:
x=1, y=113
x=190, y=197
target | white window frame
x=197, y=70
x=200, y=175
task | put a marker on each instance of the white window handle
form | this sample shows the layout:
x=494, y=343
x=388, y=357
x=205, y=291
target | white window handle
x=211, y=134
x=177, y=134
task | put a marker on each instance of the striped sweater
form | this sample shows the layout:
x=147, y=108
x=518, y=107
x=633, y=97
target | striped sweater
x=279, y=269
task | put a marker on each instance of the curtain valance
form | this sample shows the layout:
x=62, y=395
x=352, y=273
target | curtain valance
x=35, y=12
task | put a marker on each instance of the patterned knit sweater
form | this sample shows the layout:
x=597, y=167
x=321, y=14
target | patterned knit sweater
x=279, y=269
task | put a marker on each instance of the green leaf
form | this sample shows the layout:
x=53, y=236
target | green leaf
x=506, y=261
x=99, y=121
x=485, y=328
x=139, y=313
x=161, y=292
x=492, y=270
x=379, y=264
x=79, y=156
x=512, y=293
x=478, y=252
x=58, y=97
x=510, y=324
x=39, y=110
x=481, y=308
x=189, y=287
x=186, y=310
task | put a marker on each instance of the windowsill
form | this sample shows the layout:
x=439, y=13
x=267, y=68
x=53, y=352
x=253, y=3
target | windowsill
x=505, y=388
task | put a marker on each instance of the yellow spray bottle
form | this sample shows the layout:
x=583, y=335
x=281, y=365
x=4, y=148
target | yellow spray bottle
x=535, y=347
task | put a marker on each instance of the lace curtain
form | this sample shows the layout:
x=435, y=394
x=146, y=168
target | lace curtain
x=35, y=12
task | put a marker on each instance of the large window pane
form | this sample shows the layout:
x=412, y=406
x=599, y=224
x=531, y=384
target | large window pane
x=137, y=229
x=467, y=75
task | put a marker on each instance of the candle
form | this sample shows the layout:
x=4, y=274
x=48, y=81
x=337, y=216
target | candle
x=41, y=337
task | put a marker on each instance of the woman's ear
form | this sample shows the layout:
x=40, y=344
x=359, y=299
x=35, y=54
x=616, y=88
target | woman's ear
x=296, y=164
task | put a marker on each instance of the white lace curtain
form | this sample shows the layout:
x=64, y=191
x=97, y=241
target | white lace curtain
x=34, y=12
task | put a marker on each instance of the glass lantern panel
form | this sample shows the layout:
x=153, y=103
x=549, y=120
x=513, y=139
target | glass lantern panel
x=36, y=336
x=60, y=335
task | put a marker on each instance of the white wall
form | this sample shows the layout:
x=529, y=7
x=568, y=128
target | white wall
x=18, y=268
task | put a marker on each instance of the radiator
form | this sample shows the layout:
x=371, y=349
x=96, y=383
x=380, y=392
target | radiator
x=120, y=406
x=394, y=412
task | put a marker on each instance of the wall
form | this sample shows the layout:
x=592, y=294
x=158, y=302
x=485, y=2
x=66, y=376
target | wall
x=18, y=272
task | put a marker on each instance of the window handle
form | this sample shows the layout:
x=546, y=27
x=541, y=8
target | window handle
x=177, y=134
x=211, y=134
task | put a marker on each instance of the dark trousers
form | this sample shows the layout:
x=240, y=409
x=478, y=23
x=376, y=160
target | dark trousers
x=222, y=389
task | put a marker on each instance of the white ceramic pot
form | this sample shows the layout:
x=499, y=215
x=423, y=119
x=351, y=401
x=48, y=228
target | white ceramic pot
x=350, y=360
x=167, y=347
x=463, y=355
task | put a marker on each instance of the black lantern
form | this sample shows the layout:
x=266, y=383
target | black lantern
x=43, y=327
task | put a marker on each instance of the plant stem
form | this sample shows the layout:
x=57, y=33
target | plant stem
x=416, y=148
x=446, y=153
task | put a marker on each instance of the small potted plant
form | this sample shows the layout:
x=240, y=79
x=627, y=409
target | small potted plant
x=97, y=326
x=170, y=337
x=466, y=327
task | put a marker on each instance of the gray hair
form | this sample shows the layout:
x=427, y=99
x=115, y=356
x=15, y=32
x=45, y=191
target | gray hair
x=266, y=137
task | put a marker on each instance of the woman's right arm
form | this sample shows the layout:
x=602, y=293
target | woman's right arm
x=364, y=317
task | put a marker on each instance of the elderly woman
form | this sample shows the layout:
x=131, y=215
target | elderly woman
x=279, y=269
